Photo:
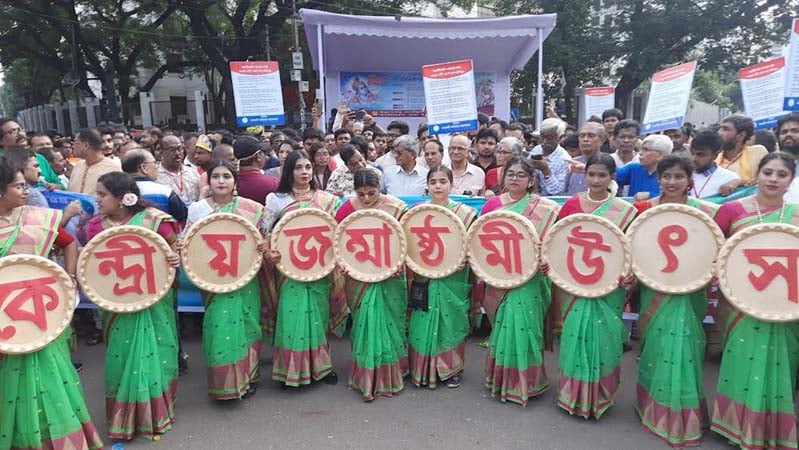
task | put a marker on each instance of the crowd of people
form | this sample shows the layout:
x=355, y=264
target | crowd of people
x=166, y=182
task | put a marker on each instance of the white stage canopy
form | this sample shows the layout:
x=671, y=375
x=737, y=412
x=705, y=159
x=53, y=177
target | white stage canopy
x=345, y=43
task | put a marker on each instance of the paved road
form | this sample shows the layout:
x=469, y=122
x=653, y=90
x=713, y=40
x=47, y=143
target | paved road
x=334, y=417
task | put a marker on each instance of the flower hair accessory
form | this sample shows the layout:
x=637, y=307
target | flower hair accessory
x=130, y=199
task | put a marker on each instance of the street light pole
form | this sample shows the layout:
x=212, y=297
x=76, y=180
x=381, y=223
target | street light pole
x=297, y=49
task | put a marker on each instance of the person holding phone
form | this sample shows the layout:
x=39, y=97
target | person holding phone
x=549, y=158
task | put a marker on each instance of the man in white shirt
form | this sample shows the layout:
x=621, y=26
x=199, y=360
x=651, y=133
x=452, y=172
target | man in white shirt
x=407, y=178
x=625, y=135
x=468, y=179
x=708, y=177
x=788, y=136
x=549, y=158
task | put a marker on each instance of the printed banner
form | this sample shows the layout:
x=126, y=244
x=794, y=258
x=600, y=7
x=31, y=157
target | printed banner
x=395, y=94
x=484, y=83
x=668, y=98
x=60, y=199
x=401, y=94
x=762, y=86
x=257, y=93
x=450, y=97
x=791, y=93
x=597, y=100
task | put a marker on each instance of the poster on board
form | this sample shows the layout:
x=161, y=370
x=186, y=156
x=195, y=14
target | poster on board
x=401, y=94
x=484, y=90
x=391, y=94
x=791, y=92
x=762, y=86
x=257, y=93
x=450, y=97
x=668, y=98
x=597, y=100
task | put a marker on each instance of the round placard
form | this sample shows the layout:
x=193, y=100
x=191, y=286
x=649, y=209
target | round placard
x=220, y=252
x=674, y=247
x=586, y=255
x=503, y=249
x=757, y=270
x=124, y=269
x=304, y=239
x=36, y=303
x=370, y=245
x=436, y=240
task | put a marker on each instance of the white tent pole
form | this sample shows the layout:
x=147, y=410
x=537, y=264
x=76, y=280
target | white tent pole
x=321, y=52
x=539, y=97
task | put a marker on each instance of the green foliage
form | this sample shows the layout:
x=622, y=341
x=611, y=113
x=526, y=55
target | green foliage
x=114, y=38
x=640, y=37
x=718, y=88
x=574, y=55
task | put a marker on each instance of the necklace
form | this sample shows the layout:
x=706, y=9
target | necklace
x=299, y=194
x=218, y=206
x=588, y=197
x=760, y=215
x=515, y=199
x=8, y=217
x=116, y=223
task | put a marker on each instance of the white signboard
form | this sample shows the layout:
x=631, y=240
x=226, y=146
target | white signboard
x=450, y=97
x=598, y=100
x=762, y=86
x=791, y=93
x=257, y=93
x=668, y=98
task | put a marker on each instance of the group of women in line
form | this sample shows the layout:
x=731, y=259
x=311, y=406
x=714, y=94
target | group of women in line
x=754, y=403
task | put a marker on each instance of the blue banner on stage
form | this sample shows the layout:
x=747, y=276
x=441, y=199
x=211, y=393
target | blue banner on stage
x=60, y=199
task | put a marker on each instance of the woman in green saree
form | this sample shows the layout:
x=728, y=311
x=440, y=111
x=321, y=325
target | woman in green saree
x=593, y=332
x=515, y=364
x=379, y=331
x=305, y=310
x=40, y=392
x=670, y=396
x=141, y=361
x=232, y=336
x=755, y=405
x=437, y=341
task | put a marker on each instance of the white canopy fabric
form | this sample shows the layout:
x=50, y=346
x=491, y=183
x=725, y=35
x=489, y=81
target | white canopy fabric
x=339, y=42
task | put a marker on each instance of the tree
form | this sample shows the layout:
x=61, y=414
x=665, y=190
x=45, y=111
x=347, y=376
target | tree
x=18, y=92
x=235, y=31
x=652, y=34
x=640, y=37
x=718, y=87
x=110, y=39
x=574, y=56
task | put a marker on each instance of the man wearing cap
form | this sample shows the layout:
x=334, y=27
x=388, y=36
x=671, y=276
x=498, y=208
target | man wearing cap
x=202, y=154
x=253, y=184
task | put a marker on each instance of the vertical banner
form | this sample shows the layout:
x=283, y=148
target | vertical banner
x=450, y=97
x=257, y=93
x=484, y=83
x=668, y=98
x=762, y=86
x=597, y=100
x=791, y=93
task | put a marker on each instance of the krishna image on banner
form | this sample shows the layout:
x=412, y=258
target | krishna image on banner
x=401, y=94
